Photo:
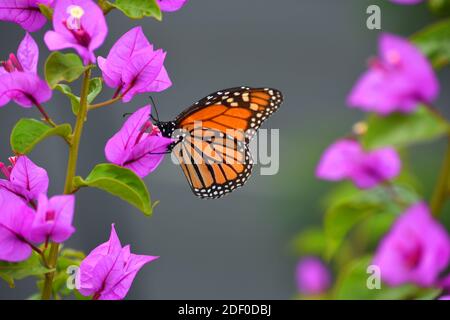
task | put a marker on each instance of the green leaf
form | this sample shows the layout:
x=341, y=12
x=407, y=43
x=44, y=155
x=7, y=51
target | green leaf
x=434, y=41
x=310, y=242
x=17, y=271
x=120, y=182
x=375, y=227
x=95, y=87
x=62, y=67
x=29, y=132
x=74, y=100
x=138, y=9
x=352, y=284
x=440, y=7
x=404, y=129
x=351, y=210
x=79, y=296
x=69, y=257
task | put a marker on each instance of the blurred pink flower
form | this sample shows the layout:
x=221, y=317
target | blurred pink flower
x=138, y=145
x=24, y=12
x=397, y=81
x=77, y=24
x=133, y=67
x=24, y=178
x=18, y=77
x=15, y=223
x=171, y=5
x=53, y=219
x=416, y=249
x=107, y=273
x=346, y=159
x=313, y=277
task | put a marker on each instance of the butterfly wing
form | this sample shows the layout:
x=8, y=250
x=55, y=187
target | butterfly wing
x=214, y=163
x=214, y=152
x=243, y=109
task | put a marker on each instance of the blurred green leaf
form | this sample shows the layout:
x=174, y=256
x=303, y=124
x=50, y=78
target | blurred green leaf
x=404, y=129
x=69, y=257
x=352, y=285
x=310, y=242
x=434, y=41
x=79, y=296
x=428, y=294
x=17, y=271
x=63, y=67
x=440, y=7
x=27, y=133
x=138, y=9
x=342, y=190
x=35, y=296
x=340, y=220
x=375, y=227
x=95, y=87
x=120, y=182
x=350, y=210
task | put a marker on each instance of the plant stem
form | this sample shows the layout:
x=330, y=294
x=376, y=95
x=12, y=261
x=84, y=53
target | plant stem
x=442, y=187
x=43, y=112
x=106, y=7
x=47, y=118
x=71, y=172
x=104, y=103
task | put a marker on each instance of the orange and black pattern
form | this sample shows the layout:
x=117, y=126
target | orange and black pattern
x=213, y=136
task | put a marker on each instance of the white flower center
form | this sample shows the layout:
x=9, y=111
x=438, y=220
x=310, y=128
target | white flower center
x=75, y=11
x=75, y=14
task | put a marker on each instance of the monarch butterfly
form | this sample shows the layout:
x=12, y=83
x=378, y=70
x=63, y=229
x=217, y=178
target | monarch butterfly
x=212, y=136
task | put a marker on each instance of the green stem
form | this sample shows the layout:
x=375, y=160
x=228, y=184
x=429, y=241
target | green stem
x=106, y=6
x=442, y=187
x=104, y=103
x=71, y=171
x=47, y=118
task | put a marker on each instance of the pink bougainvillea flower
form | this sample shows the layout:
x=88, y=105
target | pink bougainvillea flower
x=416, y=250
x=171, y=5
x=138, y=145
x=24, y=12
x=107, y=273
x=15, y=222
x=133, y=67
x=346, y=159
x=407, y=1
x=24, y=178
x=445, y=283
x=53, y=219
x=26, y=59
x=313, y=277
x=18, y=78
x=77, y=24
x=397, y=81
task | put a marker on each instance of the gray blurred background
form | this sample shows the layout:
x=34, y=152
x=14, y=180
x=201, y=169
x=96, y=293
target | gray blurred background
x=236, y=247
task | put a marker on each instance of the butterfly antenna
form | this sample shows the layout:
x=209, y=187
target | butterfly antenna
x=156, y=110
x=126, y=114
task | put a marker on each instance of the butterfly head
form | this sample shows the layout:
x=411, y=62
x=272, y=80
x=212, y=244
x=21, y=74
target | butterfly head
x=166, y=128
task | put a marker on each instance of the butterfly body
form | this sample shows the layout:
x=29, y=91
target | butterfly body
x=212, y=136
